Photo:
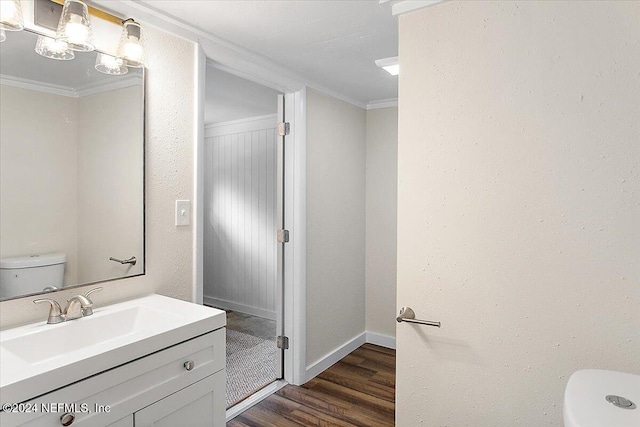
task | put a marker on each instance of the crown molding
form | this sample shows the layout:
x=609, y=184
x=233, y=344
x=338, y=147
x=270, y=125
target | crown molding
x=108, y=86
x=223, y=54
x=382, y=103
x=406, y=6
x=70, y=92
x=37, y=86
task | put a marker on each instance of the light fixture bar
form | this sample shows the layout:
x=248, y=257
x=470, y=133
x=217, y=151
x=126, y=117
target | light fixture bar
x=390, y=65
x=98, y=13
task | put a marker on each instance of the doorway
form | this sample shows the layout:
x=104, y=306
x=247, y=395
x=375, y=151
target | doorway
x=242, y=213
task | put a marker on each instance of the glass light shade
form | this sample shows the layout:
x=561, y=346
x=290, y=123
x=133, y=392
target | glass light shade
x=3, y=36
x=111, y=65
x=11, y=15
x=74, y=27
x=53, y=49
x=131, y=47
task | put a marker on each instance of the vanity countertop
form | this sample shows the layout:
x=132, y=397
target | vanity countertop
x=38, y=358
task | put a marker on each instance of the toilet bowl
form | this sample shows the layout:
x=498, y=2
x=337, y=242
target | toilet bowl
x=599, y=398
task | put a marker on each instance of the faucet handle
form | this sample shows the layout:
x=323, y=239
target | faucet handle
x=88, y=310
x=55, y=312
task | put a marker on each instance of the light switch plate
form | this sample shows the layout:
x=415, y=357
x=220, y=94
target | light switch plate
x=183, y=212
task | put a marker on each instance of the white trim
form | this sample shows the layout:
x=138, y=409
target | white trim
x=37, y=86
x=381, y=340
x=335, y=356
x=200, y=70
x=337, y=95
x=108, y=86
x=70, y=92
x=247, y=309
x=411, y=5
x=254, y=399
x=296, y=253
x=249, y=124
x=382, y=103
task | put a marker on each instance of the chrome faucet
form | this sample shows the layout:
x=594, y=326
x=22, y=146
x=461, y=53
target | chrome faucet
x=77, y=306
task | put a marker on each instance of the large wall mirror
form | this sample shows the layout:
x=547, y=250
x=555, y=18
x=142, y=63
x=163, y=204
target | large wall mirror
x=71, y=170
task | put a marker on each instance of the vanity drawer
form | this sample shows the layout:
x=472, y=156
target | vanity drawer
x=130, y=387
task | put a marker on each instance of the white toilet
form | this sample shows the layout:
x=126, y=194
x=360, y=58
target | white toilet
x=31, y=274
x=598, y=398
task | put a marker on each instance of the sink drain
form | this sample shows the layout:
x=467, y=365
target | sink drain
x=620, y=402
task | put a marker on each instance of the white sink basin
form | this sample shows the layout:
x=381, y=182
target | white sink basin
x=39, y=357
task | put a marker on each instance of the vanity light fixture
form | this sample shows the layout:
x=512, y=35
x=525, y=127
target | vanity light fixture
x=53, y=49
x=11, y=15
x=131, y=47
x=3, y=36
x=390, y=65
x=111, y=65
x=74, y=26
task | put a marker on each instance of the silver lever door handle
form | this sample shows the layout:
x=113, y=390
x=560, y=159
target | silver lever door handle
x=409, y=316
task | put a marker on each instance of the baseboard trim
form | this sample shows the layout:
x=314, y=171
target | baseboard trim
x=228, y=305
x=254, y=399
x=381, y=340
x=333, y=357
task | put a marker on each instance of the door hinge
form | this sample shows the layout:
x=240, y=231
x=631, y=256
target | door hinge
x=284, y=129
x=283, y=236
x=282, y=342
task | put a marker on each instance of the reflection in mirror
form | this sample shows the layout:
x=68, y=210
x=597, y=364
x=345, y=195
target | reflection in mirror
x=71, y=169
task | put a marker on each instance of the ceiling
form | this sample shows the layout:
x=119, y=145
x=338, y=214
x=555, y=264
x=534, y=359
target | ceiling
x=330, y=43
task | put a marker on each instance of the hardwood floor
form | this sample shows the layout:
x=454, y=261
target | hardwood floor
x=357, y=391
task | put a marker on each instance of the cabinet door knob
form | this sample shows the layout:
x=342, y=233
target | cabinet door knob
x=67, y=419
x=188, y=365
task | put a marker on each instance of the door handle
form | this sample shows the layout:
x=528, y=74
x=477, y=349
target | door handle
x=408, y=315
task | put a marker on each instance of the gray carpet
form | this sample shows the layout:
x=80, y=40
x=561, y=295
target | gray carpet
x=251, y=364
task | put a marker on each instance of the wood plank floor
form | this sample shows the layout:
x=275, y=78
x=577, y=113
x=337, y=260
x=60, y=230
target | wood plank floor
x=357, y=391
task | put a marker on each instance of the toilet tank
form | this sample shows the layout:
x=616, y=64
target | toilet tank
x=31, y=274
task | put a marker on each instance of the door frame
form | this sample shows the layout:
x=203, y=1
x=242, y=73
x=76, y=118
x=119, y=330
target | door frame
x=242, y=62
x=294, y=274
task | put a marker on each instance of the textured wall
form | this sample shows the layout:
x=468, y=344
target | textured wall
x=169, y=176
x=381, y=208
x=335, y=223
x=518, y=206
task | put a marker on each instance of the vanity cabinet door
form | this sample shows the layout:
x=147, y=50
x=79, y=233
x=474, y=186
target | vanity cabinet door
x=199, y=405
x=125, y=422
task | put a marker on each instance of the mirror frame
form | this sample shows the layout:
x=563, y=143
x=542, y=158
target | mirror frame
x=144, y=193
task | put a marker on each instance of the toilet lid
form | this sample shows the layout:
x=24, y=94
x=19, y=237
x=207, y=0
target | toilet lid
x=586, y=404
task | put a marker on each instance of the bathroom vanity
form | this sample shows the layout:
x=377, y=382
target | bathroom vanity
x=151, y=361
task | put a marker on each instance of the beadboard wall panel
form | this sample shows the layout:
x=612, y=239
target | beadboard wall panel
x=240, y=216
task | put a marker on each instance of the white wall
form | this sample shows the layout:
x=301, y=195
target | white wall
x=240, y=217
x=381, y=207
x=519, y=199
x=110, y=182
x=335, y=223
x=229, y=97
x=39, y=209
x=169, y=176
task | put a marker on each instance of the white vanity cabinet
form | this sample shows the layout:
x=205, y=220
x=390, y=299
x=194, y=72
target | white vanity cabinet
x=182, y=385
